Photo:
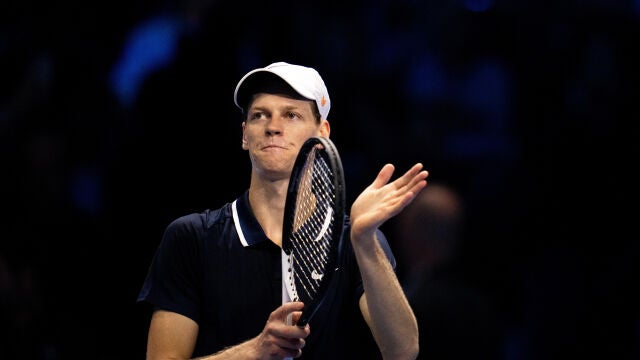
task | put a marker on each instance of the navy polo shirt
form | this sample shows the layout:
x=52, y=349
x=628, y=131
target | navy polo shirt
x=218, y=268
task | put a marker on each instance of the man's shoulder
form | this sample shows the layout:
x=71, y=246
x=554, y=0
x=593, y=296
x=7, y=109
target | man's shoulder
x=203, y=220
x=211, y=217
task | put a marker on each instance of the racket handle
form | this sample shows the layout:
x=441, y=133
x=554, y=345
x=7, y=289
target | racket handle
x=289, y=321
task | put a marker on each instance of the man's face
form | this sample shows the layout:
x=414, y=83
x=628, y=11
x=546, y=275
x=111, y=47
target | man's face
x=275, y=128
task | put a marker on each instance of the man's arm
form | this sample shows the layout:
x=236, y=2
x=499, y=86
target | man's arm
x=385, y=307
x=173, y=337
x=384, y=304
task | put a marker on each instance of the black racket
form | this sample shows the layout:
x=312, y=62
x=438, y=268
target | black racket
x=313, y=222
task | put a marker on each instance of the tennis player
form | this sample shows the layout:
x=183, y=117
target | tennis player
x=215, y=285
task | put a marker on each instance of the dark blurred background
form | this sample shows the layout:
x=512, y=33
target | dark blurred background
x=116, y=117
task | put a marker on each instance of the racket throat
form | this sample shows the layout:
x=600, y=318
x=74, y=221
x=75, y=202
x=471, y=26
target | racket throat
x=288, y=287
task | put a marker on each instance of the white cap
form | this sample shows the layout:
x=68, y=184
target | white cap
x=304, y=80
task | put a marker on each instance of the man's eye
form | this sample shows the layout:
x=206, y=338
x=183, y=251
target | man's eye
x=256, y=115
x=292, y=115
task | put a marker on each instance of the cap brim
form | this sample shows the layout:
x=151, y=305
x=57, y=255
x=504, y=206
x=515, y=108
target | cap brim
x=263, y=80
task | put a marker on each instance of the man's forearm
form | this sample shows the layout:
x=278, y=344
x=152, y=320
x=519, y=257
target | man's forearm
x=384, y=304
x=245, y=350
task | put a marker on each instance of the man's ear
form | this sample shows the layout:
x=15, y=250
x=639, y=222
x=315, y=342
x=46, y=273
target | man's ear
x=325, y=128
x=245, y=146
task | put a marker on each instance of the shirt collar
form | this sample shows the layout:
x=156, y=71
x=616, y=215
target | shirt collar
x=249, y=230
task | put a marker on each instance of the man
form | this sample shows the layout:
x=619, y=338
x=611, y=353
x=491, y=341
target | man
x=216, y=281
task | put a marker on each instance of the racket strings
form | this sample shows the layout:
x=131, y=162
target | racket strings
x=312, y=224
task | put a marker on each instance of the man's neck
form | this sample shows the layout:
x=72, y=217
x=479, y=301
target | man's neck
x=267, y=201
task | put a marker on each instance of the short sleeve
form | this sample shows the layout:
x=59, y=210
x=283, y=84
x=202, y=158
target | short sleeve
x=172, y=282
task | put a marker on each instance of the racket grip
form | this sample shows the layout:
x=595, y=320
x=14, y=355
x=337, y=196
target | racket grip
x=289, y=321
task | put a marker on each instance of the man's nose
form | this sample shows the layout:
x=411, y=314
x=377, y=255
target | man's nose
x=274, y=126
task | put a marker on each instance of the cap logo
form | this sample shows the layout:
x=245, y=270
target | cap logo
x=323, y=101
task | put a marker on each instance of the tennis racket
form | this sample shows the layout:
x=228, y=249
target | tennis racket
x=313, y=223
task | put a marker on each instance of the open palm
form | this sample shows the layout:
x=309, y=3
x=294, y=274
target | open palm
x=382, y=200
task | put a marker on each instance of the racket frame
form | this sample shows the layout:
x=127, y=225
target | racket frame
x=328, y=151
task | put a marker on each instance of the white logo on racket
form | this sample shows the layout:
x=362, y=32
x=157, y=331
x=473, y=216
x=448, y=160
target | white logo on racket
x=325, y=226
x=316, y=276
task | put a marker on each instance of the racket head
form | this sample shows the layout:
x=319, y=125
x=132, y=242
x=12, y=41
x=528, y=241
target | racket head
x=313, y=222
